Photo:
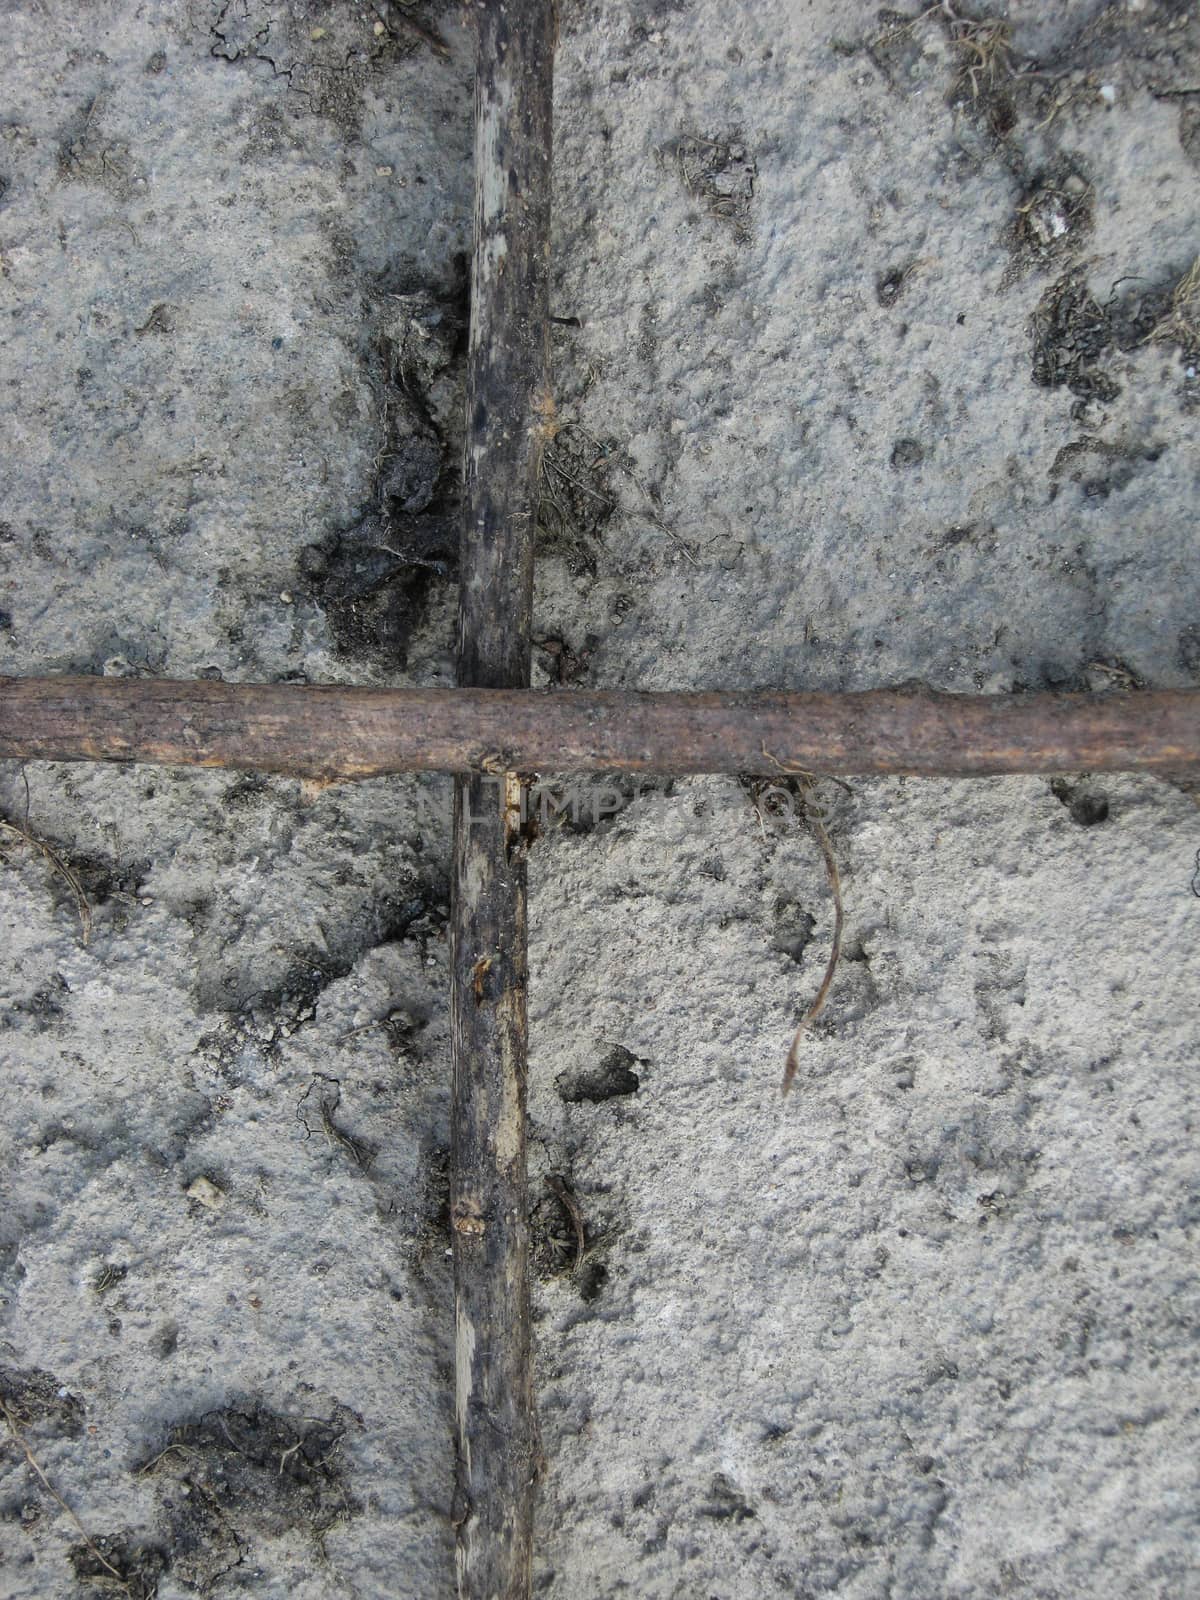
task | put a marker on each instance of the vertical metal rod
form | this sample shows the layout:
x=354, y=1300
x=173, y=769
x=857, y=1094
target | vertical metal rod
x=509, y=418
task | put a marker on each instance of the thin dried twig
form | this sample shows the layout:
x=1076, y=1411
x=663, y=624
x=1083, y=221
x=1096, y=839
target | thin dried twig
x=817, y=829
x=986, y=47
x=328, y=1100
x=1181, y=325
x=172, y=1449
x=20, y=1439
x=816, y=826
x=552, y=464
x=570, y=1205
x=408, y=19
x=64, y=870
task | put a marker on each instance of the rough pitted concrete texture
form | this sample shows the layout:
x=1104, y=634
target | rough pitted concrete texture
x=880, y=362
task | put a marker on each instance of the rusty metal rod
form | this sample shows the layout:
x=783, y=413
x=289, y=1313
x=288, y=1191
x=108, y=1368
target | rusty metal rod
x=509, y=415
x=336, y=733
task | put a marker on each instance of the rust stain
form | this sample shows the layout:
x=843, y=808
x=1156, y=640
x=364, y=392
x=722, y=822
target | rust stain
x=478, y=973
x=312, y=788
x=546, y=424
x=467, y=1221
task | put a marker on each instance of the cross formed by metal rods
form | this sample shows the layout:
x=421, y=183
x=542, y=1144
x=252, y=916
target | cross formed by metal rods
x=493, y=728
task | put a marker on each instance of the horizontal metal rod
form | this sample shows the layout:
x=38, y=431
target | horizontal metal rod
x=337, y=733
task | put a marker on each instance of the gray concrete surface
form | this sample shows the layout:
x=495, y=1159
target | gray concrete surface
x=882, y=370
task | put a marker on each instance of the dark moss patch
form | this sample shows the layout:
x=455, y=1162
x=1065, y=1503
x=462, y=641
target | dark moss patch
x=376, y=578
x=1155, y=43
x=889, y=285
x=41, y=1010
x=566, y=1239
x=593, y=1275
x=1086, y=806
x=612, y=1078
x=575, y=501
x=31, y=1395
x=1142, y=309
x=86, y=154
x=552, y=1242
x=1054, y=216
x=109, y=1276
x=374, y=591
x=907, y=453
x=985, y=71
x=120, y=1563
x=1071, y=332
x=894, y=51
x=565, y=664
x=720, y=173
x=1074, y=334
x=725, y=1502
x=1101, y=468
x=104, y=879
x=165, y=1340
x=794, y=928
x=240, y=1474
